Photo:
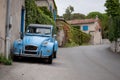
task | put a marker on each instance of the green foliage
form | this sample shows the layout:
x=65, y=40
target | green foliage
x=77, y=27
x=113, y=11
x=113, y=7
x=77, y=37
x=69, y=16
x=5, y=61
x=35, y=15
x=104, y=22
x=94, y=14
x=46, y=11
x=74, y=35
x=72, y=44
x=77, y=16
x=114, y=28
x=68, y=13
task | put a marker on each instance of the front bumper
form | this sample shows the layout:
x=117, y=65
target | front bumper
x=30, y=55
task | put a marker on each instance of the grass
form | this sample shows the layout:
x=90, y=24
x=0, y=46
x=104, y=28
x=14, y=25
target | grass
x=5, y=61
x=74, y=44
x=71, y=44
x=85, y=44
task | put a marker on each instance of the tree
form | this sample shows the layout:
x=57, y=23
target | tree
x=113, y=11
x=113, y=7
x=93, y=15
x=78, y=16
x=68, y=12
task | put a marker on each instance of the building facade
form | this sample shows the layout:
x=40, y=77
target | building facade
x=89, y=26
x=15, y=22
x=42, y=3
x=49, y=4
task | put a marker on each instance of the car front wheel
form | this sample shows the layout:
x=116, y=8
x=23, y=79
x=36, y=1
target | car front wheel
x=54, y=55
x=50, y=59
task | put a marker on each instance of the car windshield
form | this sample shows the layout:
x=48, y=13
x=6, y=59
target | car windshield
x=39, y=30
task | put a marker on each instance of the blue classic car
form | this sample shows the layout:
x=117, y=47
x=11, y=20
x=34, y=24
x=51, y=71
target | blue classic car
x=38, y=41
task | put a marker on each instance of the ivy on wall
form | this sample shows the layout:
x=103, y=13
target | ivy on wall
x=34, y=15
x=74, y=36
x=46, y=11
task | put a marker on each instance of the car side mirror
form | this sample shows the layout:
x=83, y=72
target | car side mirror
x=21, y=35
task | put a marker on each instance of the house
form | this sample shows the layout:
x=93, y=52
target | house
x=11, y=22
x=49, y=4
x=62, y=31
x=89, y=26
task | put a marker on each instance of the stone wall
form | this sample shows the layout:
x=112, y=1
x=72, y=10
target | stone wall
x=115, y=46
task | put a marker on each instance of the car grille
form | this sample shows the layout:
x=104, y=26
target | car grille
x=30, y=47
x=28, y=52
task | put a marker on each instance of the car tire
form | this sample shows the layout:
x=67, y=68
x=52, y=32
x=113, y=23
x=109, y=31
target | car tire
x=54, y=55
x=15, y=58
x=50, y=59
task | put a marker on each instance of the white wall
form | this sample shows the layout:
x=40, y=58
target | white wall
x=96, y=37
x=15, y=12
x=91, y=27
x=2, y=24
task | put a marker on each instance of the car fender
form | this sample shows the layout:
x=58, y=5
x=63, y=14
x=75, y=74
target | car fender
x=17, y=47
x=47, y=50
x=55, y=46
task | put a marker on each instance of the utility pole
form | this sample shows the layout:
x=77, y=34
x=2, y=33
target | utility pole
x=7, y=42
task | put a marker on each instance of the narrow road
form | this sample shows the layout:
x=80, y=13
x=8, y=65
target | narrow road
x=78, y=63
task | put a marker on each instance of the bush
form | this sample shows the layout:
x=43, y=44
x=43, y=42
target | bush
x=5, y=61
x=72, y=44
x=80, y=37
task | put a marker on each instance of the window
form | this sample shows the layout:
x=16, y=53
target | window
x=39, y=30
x=85, y=28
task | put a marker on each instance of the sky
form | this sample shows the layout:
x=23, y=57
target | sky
x=81, y=6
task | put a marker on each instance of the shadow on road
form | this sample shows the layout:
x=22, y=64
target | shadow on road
x=32, y=60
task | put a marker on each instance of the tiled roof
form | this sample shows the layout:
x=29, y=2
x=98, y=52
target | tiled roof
x=84, y=21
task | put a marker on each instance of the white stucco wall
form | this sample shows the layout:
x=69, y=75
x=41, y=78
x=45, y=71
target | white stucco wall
x=16, y=7
x=2, y=24
x=46, y=3
x=96, y=37
x=15, y=13
x=51, y=3
x=91, y=27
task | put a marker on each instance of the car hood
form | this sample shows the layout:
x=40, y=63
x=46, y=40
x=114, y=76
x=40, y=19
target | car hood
x=34, y=40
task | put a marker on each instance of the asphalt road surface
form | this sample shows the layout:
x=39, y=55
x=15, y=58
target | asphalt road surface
x=78, y=63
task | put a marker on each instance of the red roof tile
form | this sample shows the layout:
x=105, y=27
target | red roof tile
x=84, y=21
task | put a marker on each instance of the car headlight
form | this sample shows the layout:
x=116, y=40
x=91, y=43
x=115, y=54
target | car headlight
x=44, y=43
x=19, y=41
